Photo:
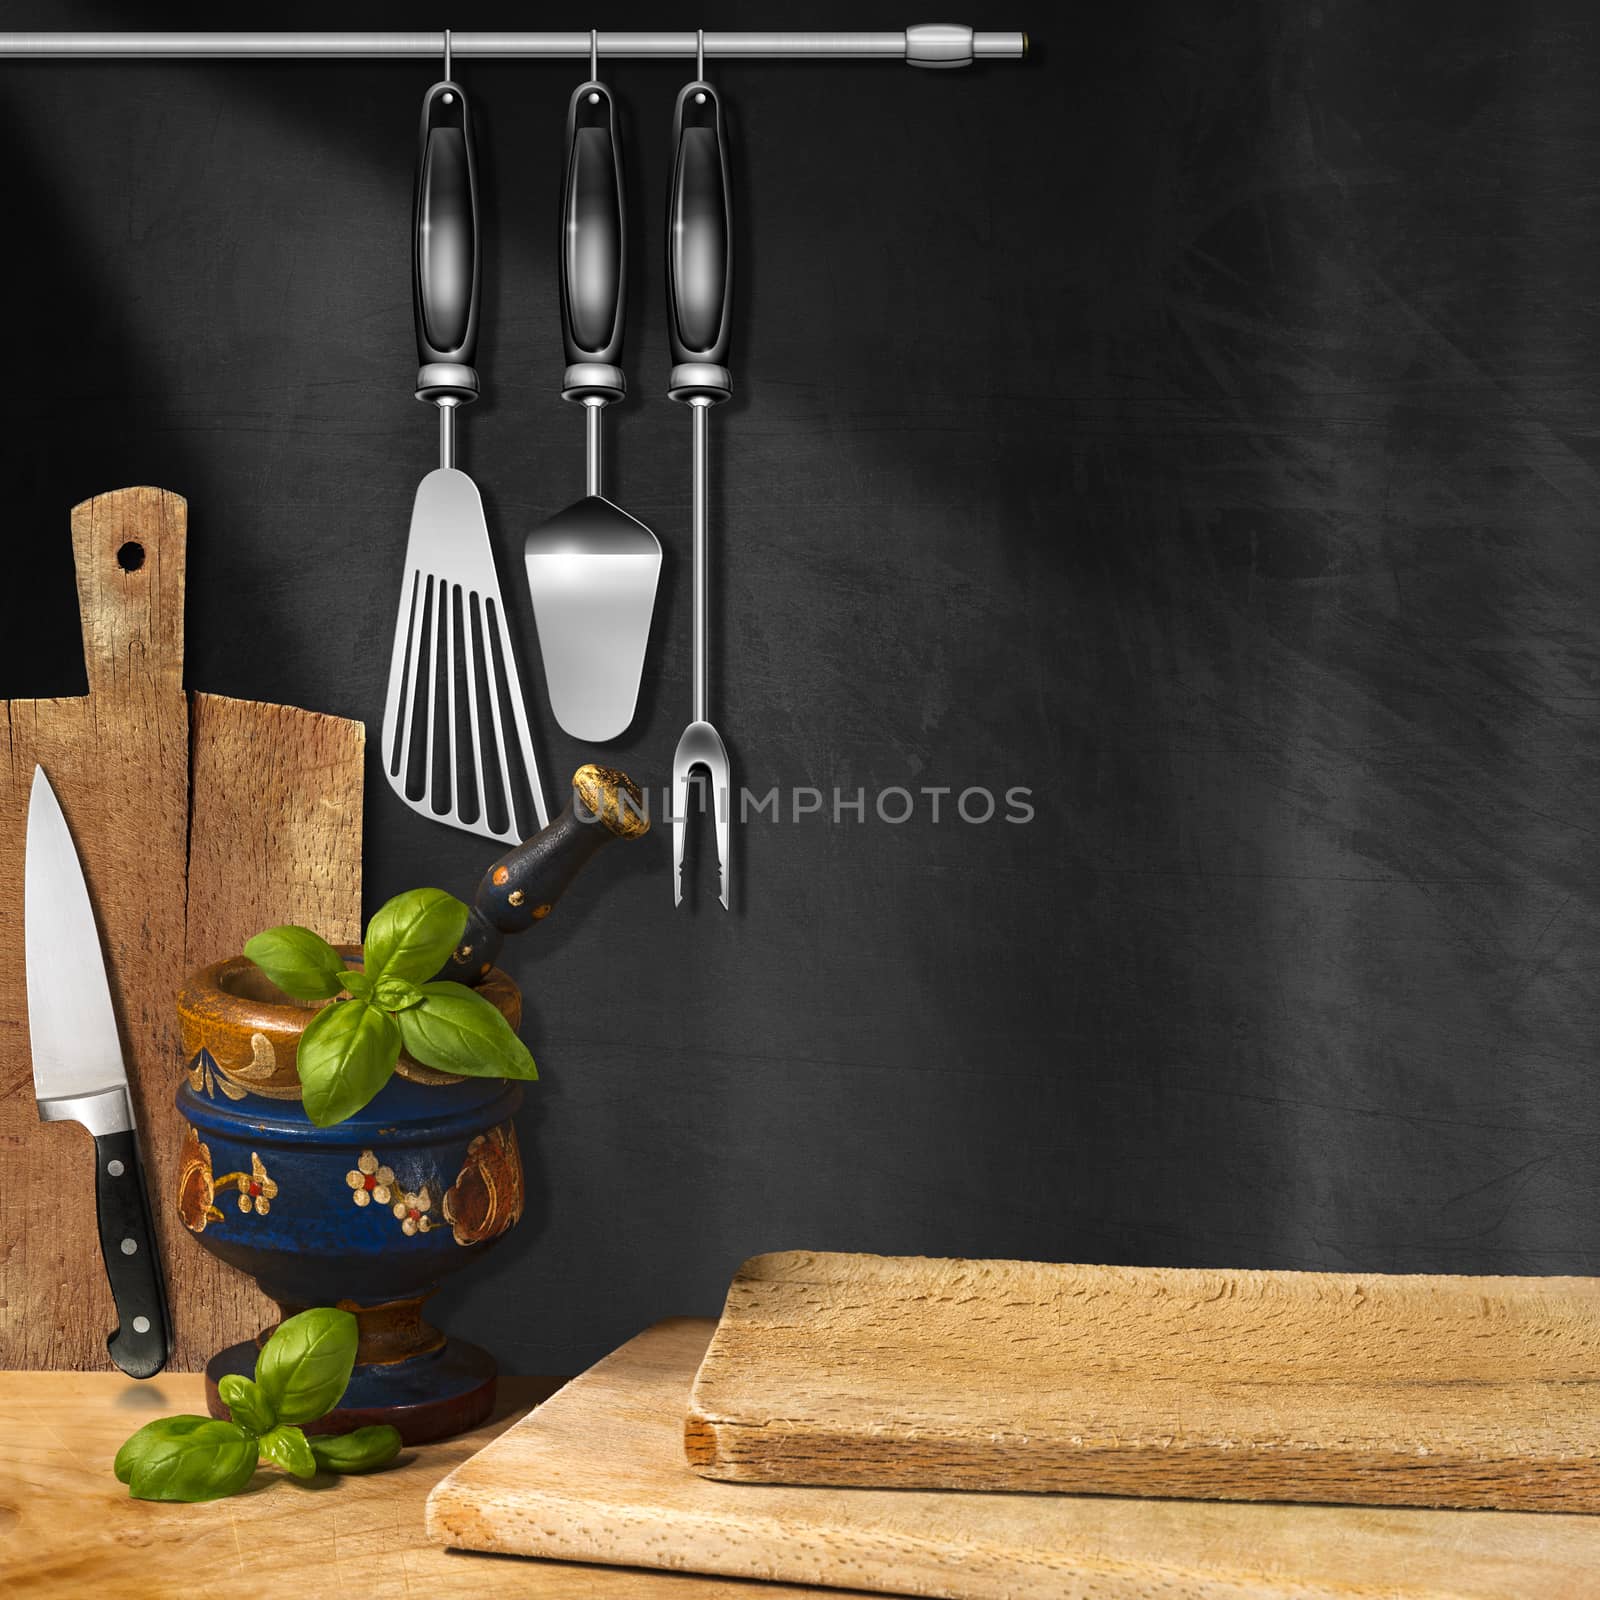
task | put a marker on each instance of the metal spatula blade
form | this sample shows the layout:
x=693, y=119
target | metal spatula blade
x=456, y=743
x=592, y=574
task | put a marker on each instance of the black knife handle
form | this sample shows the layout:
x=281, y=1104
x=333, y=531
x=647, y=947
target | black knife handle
x=594, y=243
x=445, y=258
x=522, y=887
x=699, y=249
x=133, y=1264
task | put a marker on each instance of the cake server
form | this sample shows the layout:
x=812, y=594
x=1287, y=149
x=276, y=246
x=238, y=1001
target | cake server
x=592, y=569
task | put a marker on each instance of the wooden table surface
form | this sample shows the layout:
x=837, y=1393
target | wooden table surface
x=67, y=1527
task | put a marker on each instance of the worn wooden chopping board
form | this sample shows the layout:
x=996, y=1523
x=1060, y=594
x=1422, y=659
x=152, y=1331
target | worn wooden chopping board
x=183, y=863
x=597, y=1474
x=1313, y=1386
x=70, y=1531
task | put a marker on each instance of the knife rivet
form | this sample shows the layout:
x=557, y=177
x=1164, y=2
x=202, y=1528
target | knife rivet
x=114, y=1168
x=516, y=897
x=129, y=1246
x=141, y=1324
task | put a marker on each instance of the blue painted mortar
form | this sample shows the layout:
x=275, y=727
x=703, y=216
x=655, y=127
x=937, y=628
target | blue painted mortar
x=369, y=1214
x=313, y=1245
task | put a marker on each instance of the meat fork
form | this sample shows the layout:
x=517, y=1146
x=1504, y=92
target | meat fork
x=699, y=262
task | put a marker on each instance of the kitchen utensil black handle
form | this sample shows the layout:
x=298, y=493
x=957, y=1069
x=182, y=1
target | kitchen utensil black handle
x=594, y=243
x=445, y=258
x=522, y=887
x=699, y=249
x=133, y=1266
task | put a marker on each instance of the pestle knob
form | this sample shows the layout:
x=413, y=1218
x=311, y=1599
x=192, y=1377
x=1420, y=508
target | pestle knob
x=522, y=887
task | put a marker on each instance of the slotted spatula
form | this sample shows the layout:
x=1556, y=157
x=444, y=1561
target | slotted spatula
x=456, y=745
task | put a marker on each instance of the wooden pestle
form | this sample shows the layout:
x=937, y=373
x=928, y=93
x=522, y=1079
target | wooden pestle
x=522, y=887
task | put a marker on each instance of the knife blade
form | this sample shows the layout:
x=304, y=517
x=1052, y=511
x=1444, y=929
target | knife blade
x=80, y=1075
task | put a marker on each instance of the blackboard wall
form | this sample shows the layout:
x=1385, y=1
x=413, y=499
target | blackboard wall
x=1195, y=426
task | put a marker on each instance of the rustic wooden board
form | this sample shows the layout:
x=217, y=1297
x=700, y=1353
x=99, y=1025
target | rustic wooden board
x=1352, y=1388
x=68, y=1528
x=597, y=1474
x=119, y=759
x=274, y=824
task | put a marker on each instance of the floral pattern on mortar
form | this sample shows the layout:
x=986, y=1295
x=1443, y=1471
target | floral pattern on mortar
x=481, y=1204
x=412, y=1211
x=370, y=1182
x=256, y=1190
x=373, y=1183
x=198, y=1187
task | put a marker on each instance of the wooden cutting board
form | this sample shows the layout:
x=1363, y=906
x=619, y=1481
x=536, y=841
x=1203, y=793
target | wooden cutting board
x=70, y=1531
x=274, y=835
x=1314, y=1386
x=597, y=1474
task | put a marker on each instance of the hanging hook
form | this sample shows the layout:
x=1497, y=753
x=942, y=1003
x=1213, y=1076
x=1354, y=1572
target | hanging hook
x=700, y=54
x=594, y=55
x=447, y=72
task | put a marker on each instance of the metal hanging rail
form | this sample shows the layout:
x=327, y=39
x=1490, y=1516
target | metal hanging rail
x=929, y=44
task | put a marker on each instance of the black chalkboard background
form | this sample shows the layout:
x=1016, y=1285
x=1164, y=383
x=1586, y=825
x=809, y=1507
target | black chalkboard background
x=1195, y=425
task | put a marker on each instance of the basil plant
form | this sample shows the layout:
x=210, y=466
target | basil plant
x=301, y=1376
x=348, y=1051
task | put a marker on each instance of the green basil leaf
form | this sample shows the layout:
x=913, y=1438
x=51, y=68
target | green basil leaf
x=151, y=1434
x=204, y=1463
x=287, y=1448
x=457, y=1030
x=304, y=1367
x=249, y=1406
x=359, y=984
x=346, y=1055
x=301, y=964
x=397, y=994
x=365, y=1450
x=414, y=934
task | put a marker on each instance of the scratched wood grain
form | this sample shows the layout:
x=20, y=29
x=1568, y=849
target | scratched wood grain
x=275, y=810
x=597, y=1474
x=68, y=1528
x=275, y=836
x=1315, y=1386
x=118, y=759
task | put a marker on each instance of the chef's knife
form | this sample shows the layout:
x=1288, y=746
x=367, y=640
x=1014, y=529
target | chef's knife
x=79, y=1075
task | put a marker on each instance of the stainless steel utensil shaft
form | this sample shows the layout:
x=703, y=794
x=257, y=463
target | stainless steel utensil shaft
x=447, y=433
x=594, y=447
x=700, y=410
